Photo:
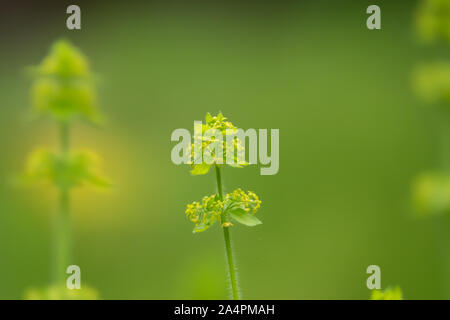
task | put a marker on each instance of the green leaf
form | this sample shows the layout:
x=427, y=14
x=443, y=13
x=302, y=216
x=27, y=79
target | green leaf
x=200, y=169
x=200, y=227
x=243, y=217
x=238, y=165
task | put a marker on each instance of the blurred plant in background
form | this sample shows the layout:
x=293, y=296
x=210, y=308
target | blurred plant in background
x=63, y=90
x=237, y=206
x=387, y=294
x=433, y=20
x=431, y=191
x=431, y=80
x=56, y=292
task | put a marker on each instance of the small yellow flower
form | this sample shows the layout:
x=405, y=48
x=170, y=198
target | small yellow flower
x=227, y=224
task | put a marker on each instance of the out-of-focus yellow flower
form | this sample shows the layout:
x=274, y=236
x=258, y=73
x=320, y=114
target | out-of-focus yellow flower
x=61, y=293
x=432, y=82
x=65, y=62
x=433, y=20
x=387, y=294
x=78, y=168
x=63, y=86
x=431, y=193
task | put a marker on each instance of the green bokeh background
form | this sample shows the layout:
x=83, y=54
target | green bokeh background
x=352, y=138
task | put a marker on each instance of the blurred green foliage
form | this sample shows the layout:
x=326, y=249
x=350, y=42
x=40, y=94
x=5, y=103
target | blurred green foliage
x=78, y=169
x=61, y=293
x=433, y=20
x=387, y=294
x=432, y=82
x=431, y=190
x=63, y=87
x=431, y=193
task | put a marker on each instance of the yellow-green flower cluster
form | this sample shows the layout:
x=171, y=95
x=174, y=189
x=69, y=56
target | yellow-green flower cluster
x=63, y=86
x=65, y=171
x=239, y=205
x=218, y=122
x=248, y=201
x=431, y=193
x=206, y=213
x=433, y=20
x=388, y=294
x=220, y=125
x=432, y=82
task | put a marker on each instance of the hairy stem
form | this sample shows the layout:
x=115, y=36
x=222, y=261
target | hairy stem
x=226, y=236
x=62, y=221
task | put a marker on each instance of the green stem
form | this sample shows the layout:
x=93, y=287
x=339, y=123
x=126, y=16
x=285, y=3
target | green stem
x=226, y=236
x=64, y=138
x=62, y=223
x=62, y=241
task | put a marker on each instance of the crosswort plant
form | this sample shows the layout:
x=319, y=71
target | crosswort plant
x=431, y=81
x=63, y=90
x=238, y=206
